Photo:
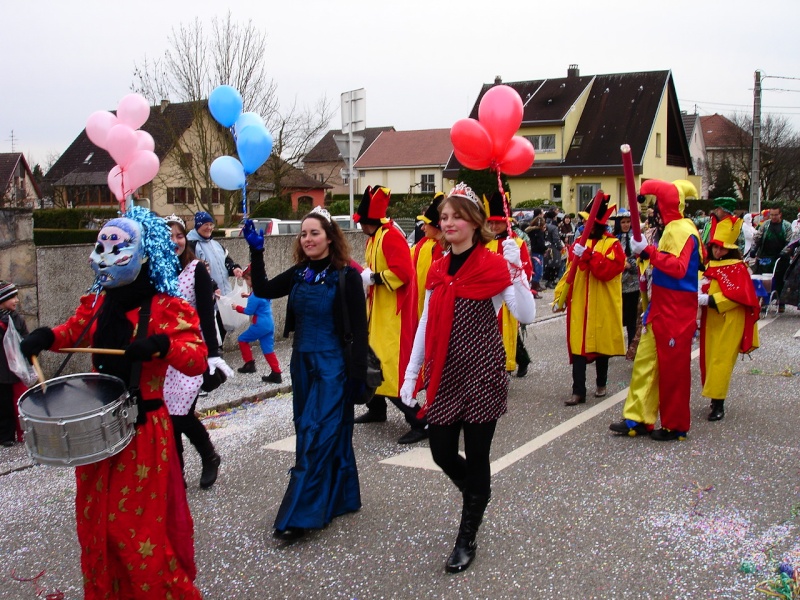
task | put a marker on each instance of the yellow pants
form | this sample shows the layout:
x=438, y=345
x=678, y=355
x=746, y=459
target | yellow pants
x=641, y=404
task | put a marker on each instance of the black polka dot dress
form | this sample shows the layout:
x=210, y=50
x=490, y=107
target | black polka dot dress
x=474, y=384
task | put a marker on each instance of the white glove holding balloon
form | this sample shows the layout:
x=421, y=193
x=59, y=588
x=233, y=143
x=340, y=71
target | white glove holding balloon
x=511, y=252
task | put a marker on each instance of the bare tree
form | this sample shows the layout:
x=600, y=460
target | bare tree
x=779, y=173
x=196, y=62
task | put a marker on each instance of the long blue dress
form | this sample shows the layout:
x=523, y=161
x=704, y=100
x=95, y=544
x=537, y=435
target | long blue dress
x=324, y=480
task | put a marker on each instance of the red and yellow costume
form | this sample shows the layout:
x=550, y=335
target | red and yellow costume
x=671, y=317
x=728, y=324
x=594, y=300
x=423, y=254
x=134, y=525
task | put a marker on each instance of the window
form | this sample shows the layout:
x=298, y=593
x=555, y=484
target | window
x=180, y=195
x=543, y=143
x=658, y=144
x=576, y=141
x=555, y=192
x=212, y=193
x=428, y=182
x=586, y=191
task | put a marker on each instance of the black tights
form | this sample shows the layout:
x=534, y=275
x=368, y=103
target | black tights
x=473, y=474
x=190, y=426
x=579, y=373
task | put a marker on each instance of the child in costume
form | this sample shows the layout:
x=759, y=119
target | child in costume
x=729, y=311
x=261, y=330
x=134, y=527
x=11, y=388
x=594, y=304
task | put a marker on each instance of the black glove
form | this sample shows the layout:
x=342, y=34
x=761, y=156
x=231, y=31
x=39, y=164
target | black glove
x=37, y=340
x=144, y=349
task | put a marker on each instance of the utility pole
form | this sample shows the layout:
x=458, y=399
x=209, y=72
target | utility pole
x=755, y=167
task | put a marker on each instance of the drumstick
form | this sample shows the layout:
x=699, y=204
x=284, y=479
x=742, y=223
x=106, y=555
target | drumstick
x=113, y=351
x=95, y=350
x=39, y=374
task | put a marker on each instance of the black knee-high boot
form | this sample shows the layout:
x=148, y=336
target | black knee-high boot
x=471, y=518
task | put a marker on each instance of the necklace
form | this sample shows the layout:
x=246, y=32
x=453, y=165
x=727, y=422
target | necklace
x=311, y=276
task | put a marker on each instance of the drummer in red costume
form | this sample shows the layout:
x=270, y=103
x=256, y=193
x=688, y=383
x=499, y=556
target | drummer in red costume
x=669, y=323
x=134, y=525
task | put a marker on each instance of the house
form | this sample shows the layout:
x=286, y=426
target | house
x=325, y=164
x=577, y=124
x=725, y=142
x=187, y=140
x=697, y=150
x=410, y=162
x=18, y=189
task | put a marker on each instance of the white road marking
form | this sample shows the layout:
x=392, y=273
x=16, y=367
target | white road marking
x=420, y=458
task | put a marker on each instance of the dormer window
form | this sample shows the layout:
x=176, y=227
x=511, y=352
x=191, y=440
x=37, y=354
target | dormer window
x=88, y=158
x=576, y=141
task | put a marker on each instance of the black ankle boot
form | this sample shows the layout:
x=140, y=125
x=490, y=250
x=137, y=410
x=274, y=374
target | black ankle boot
x=210, y=470
x=471, y=517
x=717, y=410
x=248, y=367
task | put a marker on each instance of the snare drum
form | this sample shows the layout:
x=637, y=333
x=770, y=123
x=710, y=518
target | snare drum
x=79, y=419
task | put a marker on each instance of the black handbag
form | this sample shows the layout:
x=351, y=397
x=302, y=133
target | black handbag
x=374, y=370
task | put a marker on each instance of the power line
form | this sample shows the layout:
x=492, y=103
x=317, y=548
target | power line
x=735, y=105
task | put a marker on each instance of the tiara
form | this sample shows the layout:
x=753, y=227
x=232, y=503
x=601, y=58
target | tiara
x=173, y=218
x=462, y=190
x=318, y=210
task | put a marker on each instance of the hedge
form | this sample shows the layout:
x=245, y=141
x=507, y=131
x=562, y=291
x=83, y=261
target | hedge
x=61, y=237
x=71, y=218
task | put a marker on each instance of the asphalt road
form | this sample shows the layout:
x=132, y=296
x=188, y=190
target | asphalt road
x=576, y=511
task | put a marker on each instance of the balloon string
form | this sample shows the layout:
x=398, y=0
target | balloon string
x=244, y=199
x=505, y=204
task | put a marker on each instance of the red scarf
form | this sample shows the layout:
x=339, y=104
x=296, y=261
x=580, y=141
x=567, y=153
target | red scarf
x=735, y=283
x=483, y=275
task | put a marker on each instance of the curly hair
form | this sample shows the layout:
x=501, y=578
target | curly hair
x=339, y=249
x=469, y=211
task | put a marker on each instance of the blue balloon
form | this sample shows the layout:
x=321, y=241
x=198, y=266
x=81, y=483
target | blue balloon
x=254, y=145
x=225, y=104
x=227, y=173
x=246, y=119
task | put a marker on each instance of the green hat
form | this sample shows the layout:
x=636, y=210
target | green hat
x=725, y=203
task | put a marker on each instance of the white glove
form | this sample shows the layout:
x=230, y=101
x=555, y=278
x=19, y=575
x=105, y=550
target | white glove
x=215, y=362
x=511, y=252
x=366, y=277
x=407, y=392
x=702, y=299
x=637, y=247
x=578, y=250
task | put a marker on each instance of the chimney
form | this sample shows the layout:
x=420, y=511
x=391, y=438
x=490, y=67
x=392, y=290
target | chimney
x=573, y=71
x=164, y=105
x=498, y=80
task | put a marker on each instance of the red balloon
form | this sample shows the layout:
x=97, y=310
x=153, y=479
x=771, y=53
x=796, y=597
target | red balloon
x=470, y=140
x=518, y=157
x=470, y=162
x=500, y=113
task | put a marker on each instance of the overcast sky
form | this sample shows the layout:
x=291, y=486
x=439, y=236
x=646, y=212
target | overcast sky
x=422, y=62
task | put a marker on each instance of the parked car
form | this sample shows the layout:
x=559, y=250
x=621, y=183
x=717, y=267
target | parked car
x=277, y=226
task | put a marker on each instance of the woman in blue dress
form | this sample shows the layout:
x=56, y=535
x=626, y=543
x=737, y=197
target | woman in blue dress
x=324, y=480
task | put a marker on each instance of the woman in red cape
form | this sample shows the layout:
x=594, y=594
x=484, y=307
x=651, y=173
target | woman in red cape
x=462, y=355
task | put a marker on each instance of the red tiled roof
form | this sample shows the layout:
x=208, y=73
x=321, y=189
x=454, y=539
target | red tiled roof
x=720, y=132
x=326, y=150
x=424, y=147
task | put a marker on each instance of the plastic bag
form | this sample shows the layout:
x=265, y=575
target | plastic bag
x=17, y=362
x=225, y=305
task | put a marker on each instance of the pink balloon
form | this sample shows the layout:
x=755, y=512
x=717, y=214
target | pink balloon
x=98, y=125
x=115, y=183
x=121, y=144
x=144, y=141
x=142, y=168
x=470, y=162
x=500, y=113
x=471, y=140
x=518, y=157
x=133, y=110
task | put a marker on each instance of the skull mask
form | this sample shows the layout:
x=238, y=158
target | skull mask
x=118, y=255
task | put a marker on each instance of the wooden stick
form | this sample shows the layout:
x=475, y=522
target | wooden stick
x=39, y=373
x=113, y=351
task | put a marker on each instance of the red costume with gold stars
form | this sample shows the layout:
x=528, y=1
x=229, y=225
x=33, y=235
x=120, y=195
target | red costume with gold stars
x=134, y=525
